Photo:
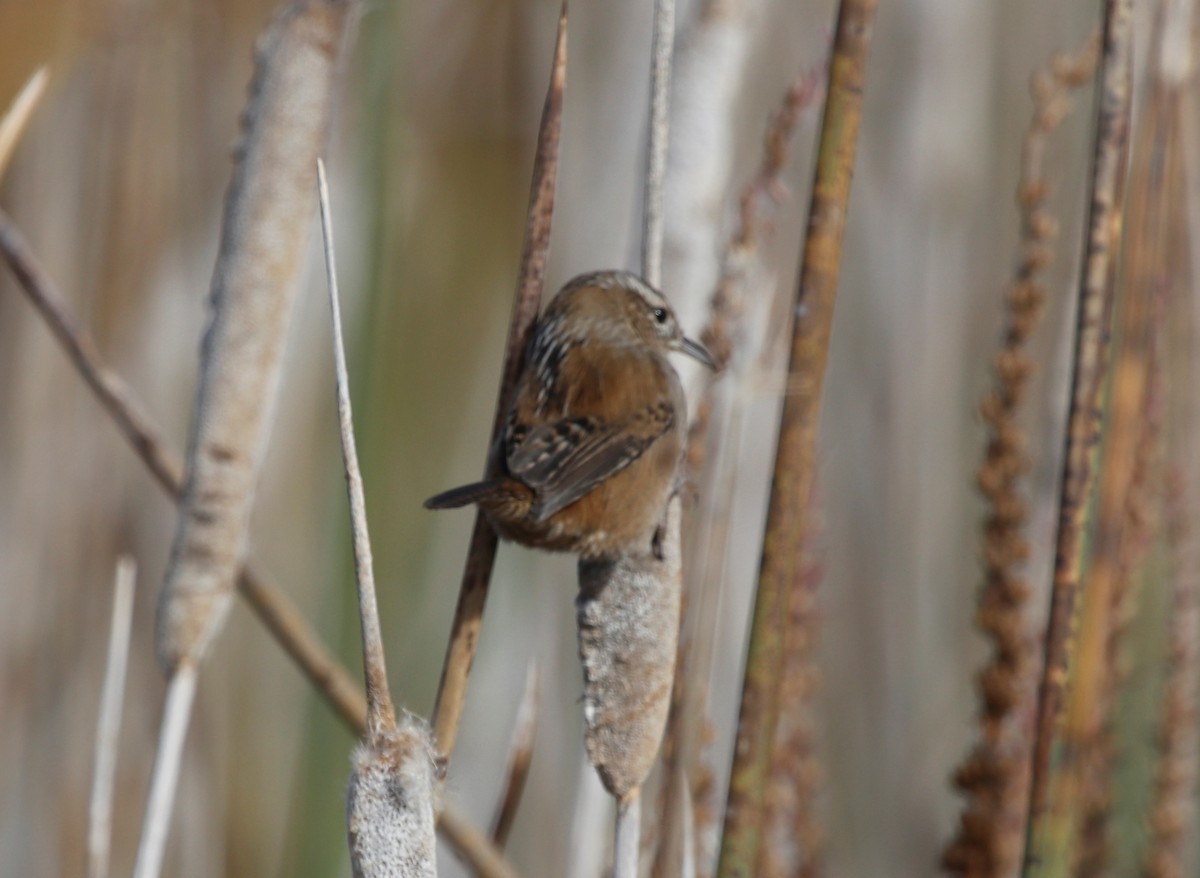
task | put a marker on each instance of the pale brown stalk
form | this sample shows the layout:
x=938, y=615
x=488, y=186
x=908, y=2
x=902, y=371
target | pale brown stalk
x=520, y=758
x=791, y=488
x=389, y=804
x=1131, y=463
x=1090, y=366
x=481, y=555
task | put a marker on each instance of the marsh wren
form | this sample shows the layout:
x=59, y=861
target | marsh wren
x=589, y=452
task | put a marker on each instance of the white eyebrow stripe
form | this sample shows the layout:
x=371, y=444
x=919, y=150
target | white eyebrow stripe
x=627, y=279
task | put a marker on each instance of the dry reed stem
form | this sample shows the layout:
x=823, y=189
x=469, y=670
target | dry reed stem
x=164, y=777
x=1090, y=365
x=114, y=395
x=791, y=487
x=267, y=220
x=108, y=726
x=1130, y=478
x=794, y=836
x=14, y=121
x=661, y=51
x=520, y=757
x=993, y=776
x=381, y=714
x=481, y=555
x=274, y=609
x=472, y=846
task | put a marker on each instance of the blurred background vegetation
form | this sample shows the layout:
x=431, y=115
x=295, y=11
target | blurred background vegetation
x=118, y=185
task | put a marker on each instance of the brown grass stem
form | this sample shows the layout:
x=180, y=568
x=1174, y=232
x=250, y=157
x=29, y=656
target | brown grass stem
x=472, y=846
x=108, y=726
x=381, y=714
x=1130, y=479
x=520, y=757
x=274, y=609
x=993, y=776
x=1089, y=367
x=791, y=486
x=16, y=118
x=113, y=393
x=481, y=555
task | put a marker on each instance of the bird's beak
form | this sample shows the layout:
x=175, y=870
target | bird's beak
x=699, y=352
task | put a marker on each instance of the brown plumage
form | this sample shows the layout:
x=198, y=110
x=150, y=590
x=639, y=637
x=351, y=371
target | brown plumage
x=589, y=452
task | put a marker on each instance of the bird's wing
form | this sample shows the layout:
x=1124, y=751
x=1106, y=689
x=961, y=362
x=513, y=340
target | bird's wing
x=564, y=460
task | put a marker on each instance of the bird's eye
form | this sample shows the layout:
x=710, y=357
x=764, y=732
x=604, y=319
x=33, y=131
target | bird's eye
x=660, y=315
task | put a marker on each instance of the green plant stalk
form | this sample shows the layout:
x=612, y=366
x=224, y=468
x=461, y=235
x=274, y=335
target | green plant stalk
x=1090, y=366
x=780, y=567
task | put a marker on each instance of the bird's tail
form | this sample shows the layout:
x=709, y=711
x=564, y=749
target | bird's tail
x=462, y=496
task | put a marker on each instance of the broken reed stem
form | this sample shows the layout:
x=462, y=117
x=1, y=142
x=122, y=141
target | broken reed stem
x=274, y=609
x=481, y=555
x=108, y=726
x=1090, y=365
x=520, y=757
x=661, y=50
x=993, y=776
x=164, y=778
x=791, y=486
x=381, y=714
x=15, y=120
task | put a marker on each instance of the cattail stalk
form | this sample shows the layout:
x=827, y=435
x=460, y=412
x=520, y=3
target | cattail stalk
x=1090, y=365
x=389, y=808
x=481, y=555
x=791, y=487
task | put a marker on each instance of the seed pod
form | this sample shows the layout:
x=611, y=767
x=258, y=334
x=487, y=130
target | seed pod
x=266, y=226
x=389, y=807
x=628, y=616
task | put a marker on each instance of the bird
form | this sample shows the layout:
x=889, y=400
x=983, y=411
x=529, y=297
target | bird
x=590, y=448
